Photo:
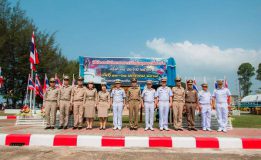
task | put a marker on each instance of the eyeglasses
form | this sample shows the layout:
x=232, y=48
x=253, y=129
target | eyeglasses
x=52, y=81
x=66, y=79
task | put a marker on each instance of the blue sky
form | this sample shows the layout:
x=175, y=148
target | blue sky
x=155, y=28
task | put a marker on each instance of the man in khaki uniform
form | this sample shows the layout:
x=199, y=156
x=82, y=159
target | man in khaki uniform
x=134, y=103
x=178, y=104
x=50, y=102
x=191, y=104
x=78, y=94
x=65, y=103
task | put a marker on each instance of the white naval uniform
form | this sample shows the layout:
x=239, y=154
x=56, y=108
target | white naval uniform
x=148, y=96
x=205, y=103
x=163, y=94
x=118, y=96
x=221, y=96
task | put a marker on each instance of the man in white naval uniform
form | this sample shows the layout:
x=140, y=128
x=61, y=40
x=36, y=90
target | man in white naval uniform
x=118, y=102
x=205, y=102
x=221, y=97
x=148, y=101
x=164, y=102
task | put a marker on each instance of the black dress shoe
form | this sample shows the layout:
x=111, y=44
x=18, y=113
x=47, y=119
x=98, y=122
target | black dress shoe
x=60, y=127
x=65, y=127
x=47, y=127
x=79, y=128
x=101, y=128
x=52, y=127
x=194, y=129
x=189, y=129
x=180, y=129
x=176, y=129
x=131, y=128
x=135, y=129
x=74, y=128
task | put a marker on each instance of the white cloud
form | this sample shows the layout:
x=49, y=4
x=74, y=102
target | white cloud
x=204, y=57
x=203, y=60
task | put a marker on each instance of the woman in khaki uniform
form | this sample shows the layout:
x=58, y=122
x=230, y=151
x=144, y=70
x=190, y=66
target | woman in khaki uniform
x=90, y=101
x=103, y=105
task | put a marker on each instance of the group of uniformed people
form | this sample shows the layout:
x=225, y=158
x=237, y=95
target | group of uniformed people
x=84, y=101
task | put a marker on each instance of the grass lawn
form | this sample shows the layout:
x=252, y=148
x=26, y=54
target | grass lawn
x=247, y=121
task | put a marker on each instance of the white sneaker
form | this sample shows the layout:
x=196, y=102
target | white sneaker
x=219, y=130
x=224, y=130
x=114, y=128
x=204, y=129
x=151, y=128
x=161, y=128
x=208, y=129
x=119, y=128
x=146, y=128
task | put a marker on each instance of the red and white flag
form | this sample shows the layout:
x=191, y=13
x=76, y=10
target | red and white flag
x=30, y=85
x=1, y=78
x=46, y=83
x=225, y=84
x=38, y=87
x=58, y=83
x=34, y=59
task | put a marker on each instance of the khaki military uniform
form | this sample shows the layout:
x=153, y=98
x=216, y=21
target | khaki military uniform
x=64, y=104
x=134, y=101
x=103, y=103
x=191, y=100
x=90, y=100
x=177, y=105
x=51, y=103
x=78, y=94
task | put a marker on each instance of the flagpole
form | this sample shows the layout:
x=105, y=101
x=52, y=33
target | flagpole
x=26, y=96
x=31, y=92
x=34, y=95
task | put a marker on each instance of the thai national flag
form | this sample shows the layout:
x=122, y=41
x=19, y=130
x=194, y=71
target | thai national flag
x=46, y=83
x=33, y=53
x=31, y=85
x=215, y=85
x=1, y=78
x=38, y=87
x=58, y=83
x=225, y=84
x=195, y=85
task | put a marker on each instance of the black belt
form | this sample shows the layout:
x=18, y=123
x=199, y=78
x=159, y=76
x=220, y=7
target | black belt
x=190, y=102
x=51, y=100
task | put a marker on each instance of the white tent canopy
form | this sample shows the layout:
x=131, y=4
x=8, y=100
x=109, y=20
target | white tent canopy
x=252, y=98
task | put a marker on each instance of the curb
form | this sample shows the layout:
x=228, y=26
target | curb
x=129, y=141
x=7, y=117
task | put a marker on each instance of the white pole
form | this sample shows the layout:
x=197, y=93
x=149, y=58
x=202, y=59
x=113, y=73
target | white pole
x=26, y=96
x=31, y=92
x=34, y=96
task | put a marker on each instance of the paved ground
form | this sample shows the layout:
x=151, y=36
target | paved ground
x=7, y=126
x=69, y=153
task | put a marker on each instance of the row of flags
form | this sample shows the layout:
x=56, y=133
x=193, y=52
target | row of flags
x=37, y=87
x=225, y=84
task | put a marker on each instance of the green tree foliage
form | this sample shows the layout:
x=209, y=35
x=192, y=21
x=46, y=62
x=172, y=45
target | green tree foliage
x=258, y=72
x=245, y=72
x=15, y=36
